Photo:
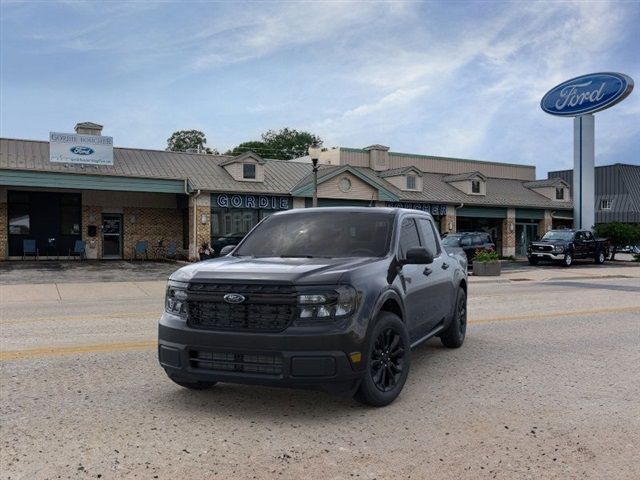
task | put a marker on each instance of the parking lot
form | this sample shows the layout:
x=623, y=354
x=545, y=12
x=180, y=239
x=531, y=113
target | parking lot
x=546, y=386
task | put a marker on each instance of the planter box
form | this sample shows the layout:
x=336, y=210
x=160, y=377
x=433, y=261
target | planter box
x=486, y=269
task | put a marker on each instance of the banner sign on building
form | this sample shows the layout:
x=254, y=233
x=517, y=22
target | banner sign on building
x=229, y=200
x=425, y=207
x=587, y=94
x=80, y=149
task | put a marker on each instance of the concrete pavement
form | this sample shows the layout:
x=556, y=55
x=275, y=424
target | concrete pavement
x=544, y=387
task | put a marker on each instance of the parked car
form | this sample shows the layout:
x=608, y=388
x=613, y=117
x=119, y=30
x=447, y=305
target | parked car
x=470, y=243
x=225, y=240
x=565, y=246
x=328, y=298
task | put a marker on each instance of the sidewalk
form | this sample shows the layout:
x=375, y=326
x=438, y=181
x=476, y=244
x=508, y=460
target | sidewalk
x=74, y=292
x=583, y=271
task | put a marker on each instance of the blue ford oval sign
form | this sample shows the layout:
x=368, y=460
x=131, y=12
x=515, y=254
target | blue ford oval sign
x=587, y=94
x=82, y=150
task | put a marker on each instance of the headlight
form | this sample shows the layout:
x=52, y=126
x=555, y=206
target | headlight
x=176, y=299
x=559, y=248
x=328, y=305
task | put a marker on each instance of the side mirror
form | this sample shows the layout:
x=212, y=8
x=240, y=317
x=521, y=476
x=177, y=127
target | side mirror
x=418, y=256
x=226, y=250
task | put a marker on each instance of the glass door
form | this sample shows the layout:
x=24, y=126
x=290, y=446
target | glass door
x=111, y=235
x=525, y=233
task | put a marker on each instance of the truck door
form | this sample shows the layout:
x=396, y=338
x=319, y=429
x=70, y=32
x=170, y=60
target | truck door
x=589, y=245
x=438, y=290
x=579, y=245
x=413, y=280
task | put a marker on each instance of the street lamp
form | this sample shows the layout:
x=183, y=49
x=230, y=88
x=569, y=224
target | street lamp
x=314, y=153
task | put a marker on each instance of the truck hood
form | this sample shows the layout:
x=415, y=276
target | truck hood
x=287, y=270
x=550, y=242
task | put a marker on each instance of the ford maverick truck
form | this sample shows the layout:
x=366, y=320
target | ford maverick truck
x=564, y=246
x=327, y=298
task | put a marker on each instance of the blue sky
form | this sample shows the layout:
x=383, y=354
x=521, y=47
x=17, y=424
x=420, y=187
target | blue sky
x=459, y=79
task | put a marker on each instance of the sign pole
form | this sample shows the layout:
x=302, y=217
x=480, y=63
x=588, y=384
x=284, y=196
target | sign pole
x=583, y=172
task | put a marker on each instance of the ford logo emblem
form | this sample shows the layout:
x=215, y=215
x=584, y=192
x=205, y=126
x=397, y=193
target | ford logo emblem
x=234, y=298
x=587, y=94
x=82, y=150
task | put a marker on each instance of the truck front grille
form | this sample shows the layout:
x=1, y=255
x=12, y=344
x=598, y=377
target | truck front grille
x=249, y=317
x=543, y=248
x=259, y=364
x=266, y=308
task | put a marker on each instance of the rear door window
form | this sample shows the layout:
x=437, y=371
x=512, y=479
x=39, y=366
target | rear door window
x=429, y=236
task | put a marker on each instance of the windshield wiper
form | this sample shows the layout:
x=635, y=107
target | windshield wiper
x=296, y=256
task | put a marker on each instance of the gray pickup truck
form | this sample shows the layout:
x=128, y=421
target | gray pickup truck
x=565, y=246
x=329, y=298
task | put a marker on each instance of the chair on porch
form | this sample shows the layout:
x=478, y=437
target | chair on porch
x=29, y=248
x=80, y=249
x=172, y=250
x=141, y=248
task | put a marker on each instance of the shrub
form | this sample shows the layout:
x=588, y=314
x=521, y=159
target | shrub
x=483, y=257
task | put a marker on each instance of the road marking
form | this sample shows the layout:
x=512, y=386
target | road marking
x=74, y=350
x=44, y=352
x=123, y=316
x=574, y=313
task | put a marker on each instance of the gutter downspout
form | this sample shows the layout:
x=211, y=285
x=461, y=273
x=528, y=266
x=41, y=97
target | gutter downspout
x=195, y=224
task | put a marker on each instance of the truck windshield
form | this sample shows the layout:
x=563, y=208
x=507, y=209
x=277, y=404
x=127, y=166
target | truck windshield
x=558, y=235
x=451, y=240
x=320, y=234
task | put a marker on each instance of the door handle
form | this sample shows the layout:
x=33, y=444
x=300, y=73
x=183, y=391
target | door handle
x=445, y=265
x=427, y=271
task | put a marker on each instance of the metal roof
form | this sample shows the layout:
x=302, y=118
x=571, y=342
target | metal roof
x=547, y=182
x=399, y=171
x=463, y=176
x=281, y=177
x=202, y=171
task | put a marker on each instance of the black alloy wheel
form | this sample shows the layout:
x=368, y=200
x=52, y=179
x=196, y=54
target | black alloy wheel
x=387, y=359
x=455, y=333
x=568, y=260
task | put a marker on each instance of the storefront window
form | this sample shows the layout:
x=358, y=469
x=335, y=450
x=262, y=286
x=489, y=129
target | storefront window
x=70, y=214
x=19, y=221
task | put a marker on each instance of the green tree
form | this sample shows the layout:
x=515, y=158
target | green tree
x=619, y=234
x=255, y=146
x=289, y=143
x=184, y=140
x=283, y=144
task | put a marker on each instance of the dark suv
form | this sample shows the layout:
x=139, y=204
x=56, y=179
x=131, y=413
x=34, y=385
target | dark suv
x=330, y=298
x=470, y=242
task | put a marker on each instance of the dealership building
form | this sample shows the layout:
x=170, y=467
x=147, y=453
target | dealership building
x=79, y=187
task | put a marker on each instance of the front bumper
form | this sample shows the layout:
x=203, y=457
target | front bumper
x=304, y=357
x=547, y=256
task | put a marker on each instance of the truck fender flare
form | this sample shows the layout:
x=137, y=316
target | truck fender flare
x=389, y=294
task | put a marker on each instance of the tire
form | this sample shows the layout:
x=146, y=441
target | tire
x=388, y=362
x=197, y=385
x=532, y=260
x=453, y=336
x=568, y=260
x=600, y=257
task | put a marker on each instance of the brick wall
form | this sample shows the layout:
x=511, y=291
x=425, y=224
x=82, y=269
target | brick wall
x=152, y=225
x=509, y=233
x=203, y=230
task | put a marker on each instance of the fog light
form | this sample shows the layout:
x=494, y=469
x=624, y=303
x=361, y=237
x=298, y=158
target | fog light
x=355, y=357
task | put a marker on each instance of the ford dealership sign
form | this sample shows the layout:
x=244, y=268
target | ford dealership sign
x=80, y=149
x=587, y=94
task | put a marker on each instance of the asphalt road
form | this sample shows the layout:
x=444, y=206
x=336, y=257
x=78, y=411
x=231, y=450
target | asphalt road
x=547, y=385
